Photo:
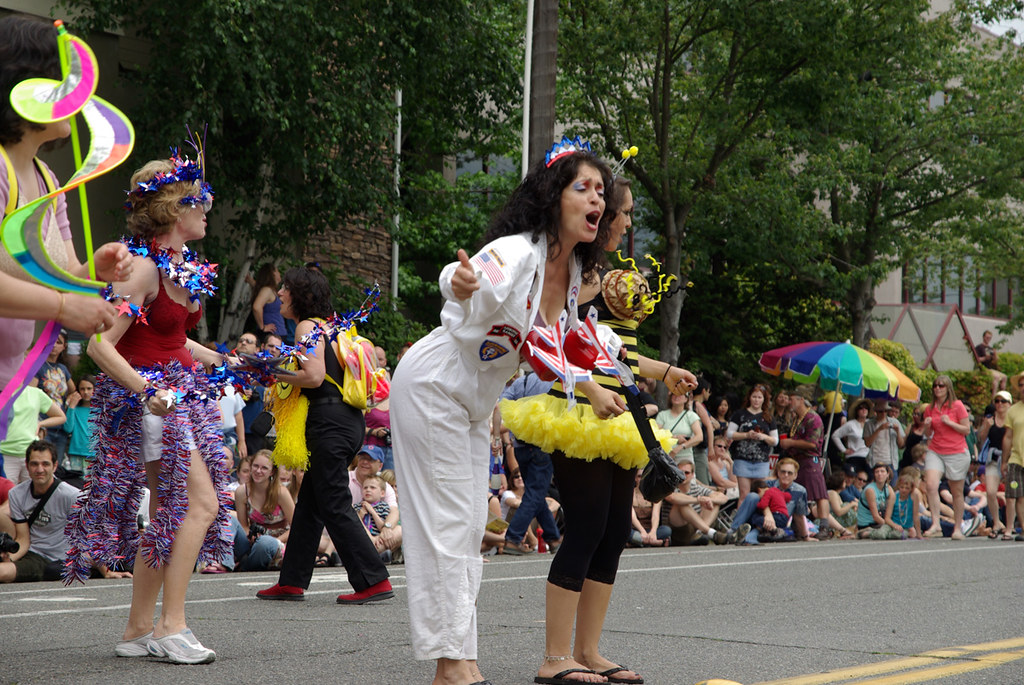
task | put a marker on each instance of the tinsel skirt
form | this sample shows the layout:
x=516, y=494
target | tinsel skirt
x=103, y=524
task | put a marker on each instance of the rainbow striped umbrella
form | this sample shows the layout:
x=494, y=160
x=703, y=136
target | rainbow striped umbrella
x=840, y=366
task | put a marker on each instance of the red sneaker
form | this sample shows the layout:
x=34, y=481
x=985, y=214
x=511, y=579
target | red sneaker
x=374, y=593
x=286, y=592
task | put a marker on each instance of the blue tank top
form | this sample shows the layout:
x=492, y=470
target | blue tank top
x=272, y=314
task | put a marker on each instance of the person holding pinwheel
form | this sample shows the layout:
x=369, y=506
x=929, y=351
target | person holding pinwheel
x=29, y=50
x=155, y=414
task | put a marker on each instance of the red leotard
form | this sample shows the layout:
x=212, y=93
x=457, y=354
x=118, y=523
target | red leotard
x=163, y=339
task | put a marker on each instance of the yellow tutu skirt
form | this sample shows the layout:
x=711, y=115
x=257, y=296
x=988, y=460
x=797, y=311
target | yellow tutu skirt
x=545, y=421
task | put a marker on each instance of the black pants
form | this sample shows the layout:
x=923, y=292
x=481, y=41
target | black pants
x=334, y=432
x=597, y=499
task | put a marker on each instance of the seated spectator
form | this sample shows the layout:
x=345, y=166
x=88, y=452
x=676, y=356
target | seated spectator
x=373, y=511
x=906, y=510
x=264, y=508
x=845, y=512
x=720, y=468
x=23, y=428
x=242, y=471
x=989, y=358
x=874, y=517
x=694, y=512
x=974, y=504
x=368, y=462
x=853, y=480
x=647, y=531
x=785, y=481
x=917, y=456
x=39, y=511
x=493, y=541
x=772, y=515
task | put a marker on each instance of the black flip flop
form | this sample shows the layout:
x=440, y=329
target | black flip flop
x=560, y=679
x=610, y=675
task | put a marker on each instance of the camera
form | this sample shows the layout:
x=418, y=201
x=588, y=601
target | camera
x=387, y=436
x=256, y=530
x=8, y=545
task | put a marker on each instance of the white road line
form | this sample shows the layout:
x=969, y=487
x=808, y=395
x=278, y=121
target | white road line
x=519, y=578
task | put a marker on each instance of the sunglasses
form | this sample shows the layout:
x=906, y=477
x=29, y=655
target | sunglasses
x=787, y=473
x=1002, y=401
x=861, y=480
x=938, y=385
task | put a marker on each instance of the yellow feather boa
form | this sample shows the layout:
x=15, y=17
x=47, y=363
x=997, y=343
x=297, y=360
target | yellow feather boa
x=544, y=421
x=290, y=413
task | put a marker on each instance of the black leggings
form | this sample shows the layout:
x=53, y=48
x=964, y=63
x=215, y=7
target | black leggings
x=597, y=498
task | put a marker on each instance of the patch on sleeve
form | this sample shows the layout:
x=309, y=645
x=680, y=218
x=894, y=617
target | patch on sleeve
x=491, y=350
x=504, y=330
x=492, y=265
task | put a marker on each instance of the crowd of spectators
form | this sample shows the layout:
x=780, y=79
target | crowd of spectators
x=879, y=481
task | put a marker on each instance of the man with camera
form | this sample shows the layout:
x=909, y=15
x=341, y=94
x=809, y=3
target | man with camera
x=39, y=509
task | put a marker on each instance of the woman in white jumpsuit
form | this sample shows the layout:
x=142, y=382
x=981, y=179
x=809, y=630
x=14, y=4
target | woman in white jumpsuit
x=445, y=388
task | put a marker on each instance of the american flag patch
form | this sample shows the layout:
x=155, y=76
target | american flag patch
x=491, y=263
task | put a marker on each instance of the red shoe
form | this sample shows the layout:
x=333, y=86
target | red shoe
x=374, y=593
x=286, y=592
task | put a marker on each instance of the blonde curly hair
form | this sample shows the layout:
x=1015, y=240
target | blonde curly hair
x=153, y=214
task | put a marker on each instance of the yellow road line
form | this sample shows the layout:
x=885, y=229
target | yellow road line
x=932, y=674
x=930, y=658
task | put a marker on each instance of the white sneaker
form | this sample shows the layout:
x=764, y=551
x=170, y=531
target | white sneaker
x=136, y=647
x=181, y=648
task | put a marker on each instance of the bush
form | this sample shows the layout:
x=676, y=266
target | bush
x=973, y=387
x=1011, y=363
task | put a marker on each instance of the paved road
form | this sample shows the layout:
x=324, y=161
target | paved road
x=863, y=612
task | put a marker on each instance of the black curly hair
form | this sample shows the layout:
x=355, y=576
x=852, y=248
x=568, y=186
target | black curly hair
x=535, y=206
x=311, y=295
x=28, y=49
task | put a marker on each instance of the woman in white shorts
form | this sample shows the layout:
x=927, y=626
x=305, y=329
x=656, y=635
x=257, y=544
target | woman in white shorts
x=947, y=423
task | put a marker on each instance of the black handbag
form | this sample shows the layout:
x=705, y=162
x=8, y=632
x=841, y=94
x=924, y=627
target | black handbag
x=262, y=424
x=661, y=475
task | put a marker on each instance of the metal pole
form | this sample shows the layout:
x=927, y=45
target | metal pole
x=527, y=76
x=827, y=468
x=397, y=218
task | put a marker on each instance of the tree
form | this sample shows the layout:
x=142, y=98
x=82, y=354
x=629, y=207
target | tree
x=922, y=148
x=692, y=84
x=299, y=97
x=773, y=135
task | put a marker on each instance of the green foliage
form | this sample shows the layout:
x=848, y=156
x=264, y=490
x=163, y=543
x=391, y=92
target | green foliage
x=440, y=218
x=799, y=144
x=899, y=356
x=300, y=100
x=1011, y=363
x=972, y=387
